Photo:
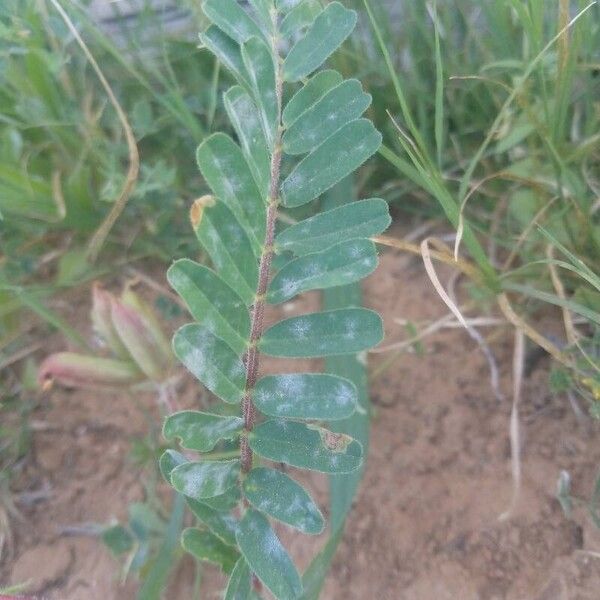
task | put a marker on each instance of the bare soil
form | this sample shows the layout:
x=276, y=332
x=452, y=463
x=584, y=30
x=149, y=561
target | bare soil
x=425, y=525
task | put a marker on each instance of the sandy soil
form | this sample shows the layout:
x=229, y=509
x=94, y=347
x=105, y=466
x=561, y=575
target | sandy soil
x=425, y=525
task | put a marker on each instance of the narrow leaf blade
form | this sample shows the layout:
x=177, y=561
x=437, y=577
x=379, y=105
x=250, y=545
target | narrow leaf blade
x=306, y=446
x=267, y=557
x=329, y=30
x=212, y=302
x=342, y=152
x=361, y=219
x=344, y=331
x=211, y=361
x=336, y=108
x=199, y=430
x=274, y=493
x=339, y=265
x=240, y=582
x=316, y=396
x=227, y=51
x=199, y=480
x=231, y=18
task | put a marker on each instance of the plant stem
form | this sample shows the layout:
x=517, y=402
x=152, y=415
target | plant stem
x=252, y=358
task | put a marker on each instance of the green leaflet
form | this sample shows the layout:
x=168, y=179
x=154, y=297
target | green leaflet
x=247, y=124
x=361, y=219
x=199, y=430
x=336, y=157
x=240, y=582
x=227, y=51
x=226, y=171
x=316, y=396
x=170, y=459
x=339, y=106
x=208, y=479
x=224, y=502
x=305, y=446
x=262, y=10
x=221, y=524
x=274, y=493
x=316, y=87
x=231, y=18
x=341, y=264
x=266, y=556
x=286, y=5
x=325, y=35
x=344, y=331
x=229, y=248
x=299, y=17
x=211, y=361
x=261, y=70
x=212, y=302
x=205, y=546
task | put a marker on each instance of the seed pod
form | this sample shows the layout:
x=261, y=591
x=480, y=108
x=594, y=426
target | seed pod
x=140, y=332
x=102, y=321
x=78, y=370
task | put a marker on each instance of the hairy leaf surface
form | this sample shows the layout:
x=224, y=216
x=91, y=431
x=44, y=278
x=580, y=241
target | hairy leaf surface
x=316, y=396
x=343, y=331
x=361, y=219
x=336, y=157
x=306, y=446
x=274, y=493
x=211, y=361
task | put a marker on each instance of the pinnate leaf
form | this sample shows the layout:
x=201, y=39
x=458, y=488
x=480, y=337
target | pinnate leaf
x=343, y=331
x=206, y=479
x=306, y=446
x=329, y=30
x=212, y=302
x=339, y=265
x=274, y=493
x=336, y=157
x=199, y=430
x=344, y=103
x=316, y=396
x=211, y=361
x=205, y=546
x=361, y=219
x=267, y=557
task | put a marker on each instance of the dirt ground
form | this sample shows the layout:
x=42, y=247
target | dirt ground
x=425, y=524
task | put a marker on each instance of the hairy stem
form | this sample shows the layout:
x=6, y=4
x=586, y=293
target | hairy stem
x=252, y=358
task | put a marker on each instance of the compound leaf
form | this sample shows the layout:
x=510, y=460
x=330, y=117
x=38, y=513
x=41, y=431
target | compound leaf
x=207, y=479
x=336, y=157
x=305, y=446
x=274, y=493
x=199, y=430
x=339, y=265
x=226, y=171
x=246, y=121
x=266, y=556
x=229, y=248
x=211, y=361
x=343, y=331
x=231, y=18
x=344, y=103
x=206, y=546
x=261, y=71
x=361, y=219
x=329, y=30
x=305, y=396
x=211, y=302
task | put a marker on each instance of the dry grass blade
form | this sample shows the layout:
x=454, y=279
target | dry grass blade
x=99, y=237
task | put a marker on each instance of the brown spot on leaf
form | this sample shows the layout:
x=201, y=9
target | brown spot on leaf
x=197, y=209
x=336, y=442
